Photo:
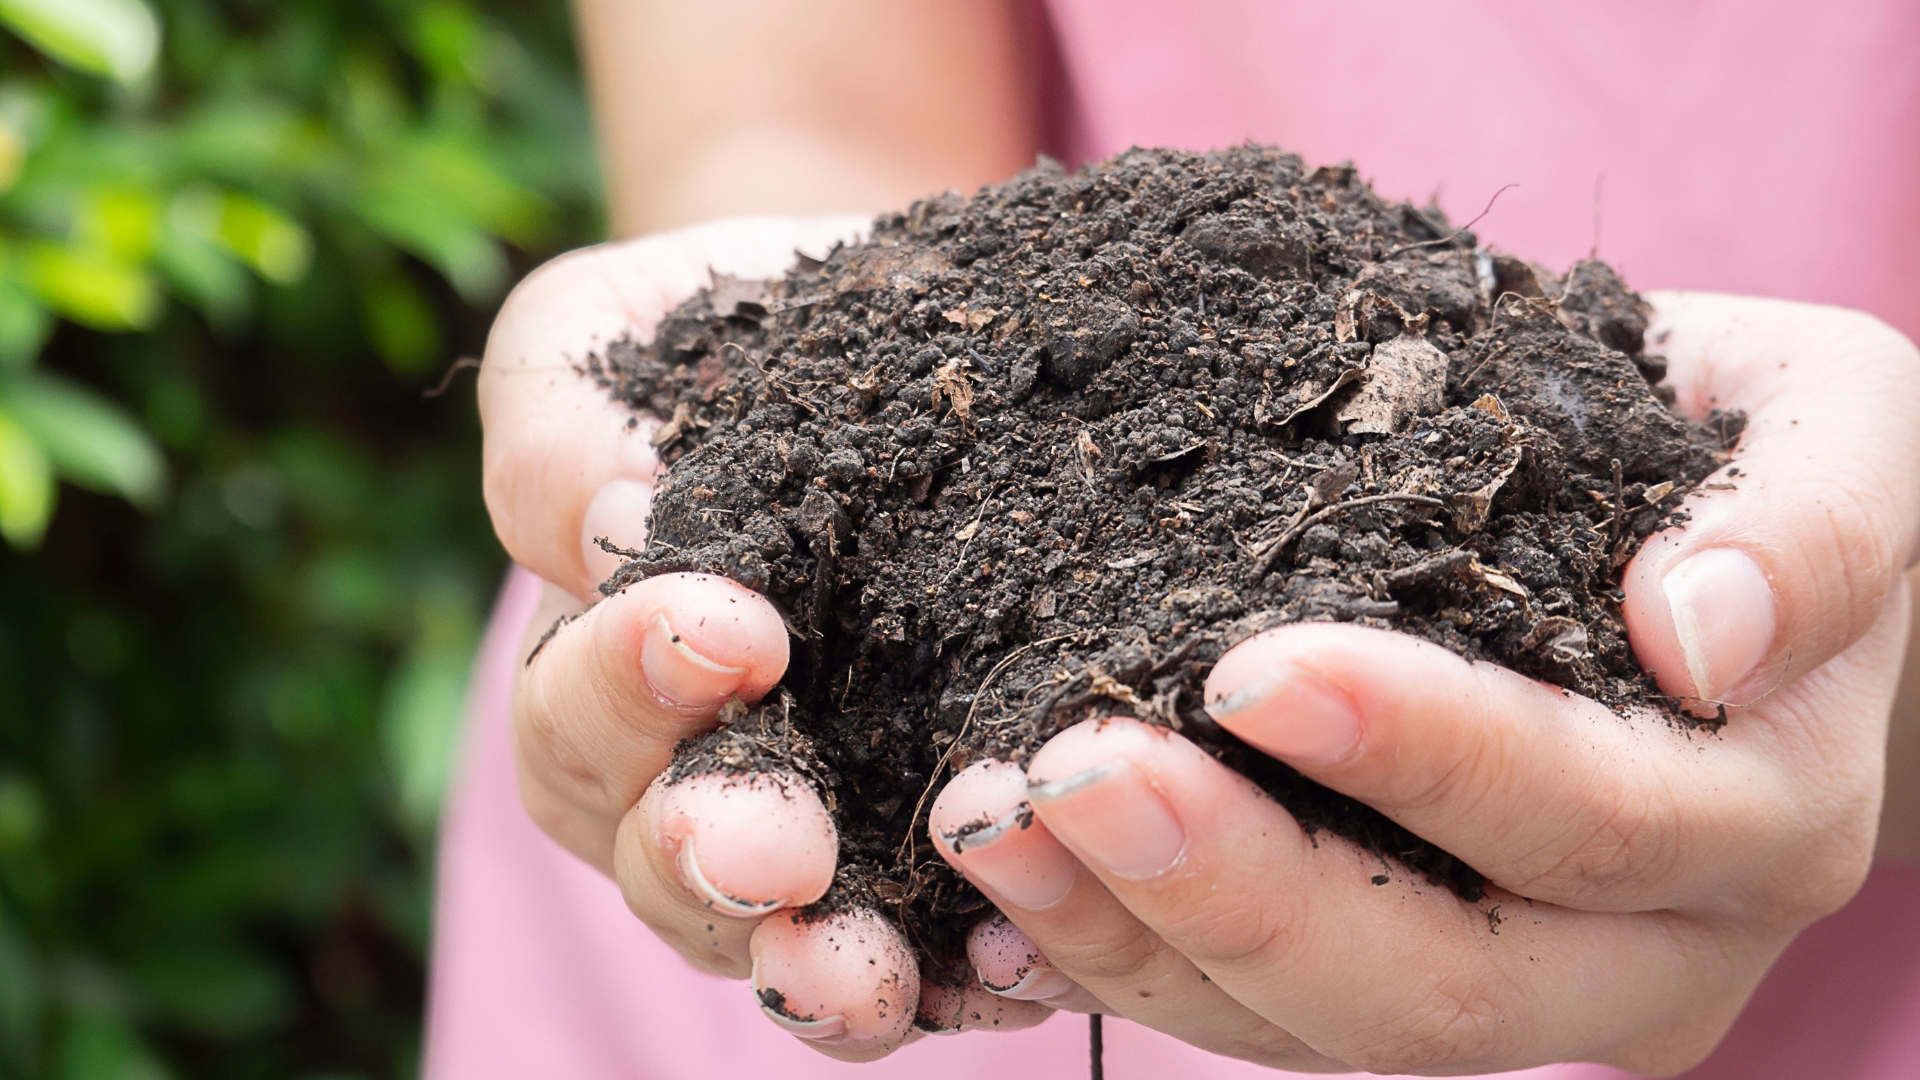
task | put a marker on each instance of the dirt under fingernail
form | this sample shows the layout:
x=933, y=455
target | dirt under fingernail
x=1045, y=453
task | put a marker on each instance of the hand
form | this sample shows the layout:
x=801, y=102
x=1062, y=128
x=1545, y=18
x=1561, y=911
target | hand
x=1643, y=878
x=709, y=862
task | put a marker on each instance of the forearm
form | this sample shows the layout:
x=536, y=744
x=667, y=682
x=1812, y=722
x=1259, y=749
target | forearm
x=1900, y=815
x=783, y=107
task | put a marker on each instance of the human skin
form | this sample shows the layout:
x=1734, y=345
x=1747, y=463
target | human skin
x=1295, y=972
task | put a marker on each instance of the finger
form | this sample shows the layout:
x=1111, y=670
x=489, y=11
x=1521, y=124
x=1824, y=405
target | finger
x=1085, y=933
x=955, y=1001
x=602, y=703
x=701, y=861
x=1008, y=962
x=846, y=983
x=554, y=439
x=1406, y=979
x=1548, y=794
x=1780, y=572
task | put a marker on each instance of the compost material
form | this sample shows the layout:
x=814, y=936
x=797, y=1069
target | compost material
x=1044, y=454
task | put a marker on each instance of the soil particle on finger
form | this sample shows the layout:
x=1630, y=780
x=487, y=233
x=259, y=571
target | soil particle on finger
x=1045, y=453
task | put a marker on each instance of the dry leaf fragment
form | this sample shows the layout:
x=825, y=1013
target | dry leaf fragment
x=951, y=382
x=1471, y=508
x=1498, y=580
x=900, y=266
x=968, y=531
x=1343, y=380
x=970, y=319
x=1492, y=406
x=743, y=297
x=1406, y=377
x=1658, y=492
x=1560, y=636
x=1083, y=444
x=674, y=428
x=1107, y=686
x=1327, y=484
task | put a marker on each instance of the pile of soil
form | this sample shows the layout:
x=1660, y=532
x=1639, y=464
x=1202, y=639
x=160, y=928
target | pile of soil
x=1046, y=453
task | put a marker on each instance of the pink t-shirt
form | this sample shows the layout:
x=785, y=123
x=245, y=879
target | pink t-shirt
x=1756, y=146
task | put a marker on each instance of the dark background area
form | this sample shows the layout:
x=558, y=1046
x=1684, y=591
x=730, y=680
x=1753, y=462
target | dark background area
x=246, y=560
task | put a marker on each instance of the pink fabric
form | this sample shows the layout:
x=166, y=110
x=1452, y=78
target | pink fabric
x=1756, y=146
x=1765, y=147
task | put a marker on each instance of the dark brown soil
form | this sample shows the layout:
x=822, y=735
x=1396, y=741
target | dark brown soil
x=1044, y=454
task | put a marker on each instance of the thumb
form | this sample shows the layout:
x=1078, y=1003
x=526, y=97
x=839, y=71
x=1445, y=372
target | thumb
x=1791, y=551
x=563, y=461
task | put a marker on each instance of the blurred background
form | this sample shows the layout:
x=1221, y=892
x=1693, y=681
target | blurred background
x=245, y=562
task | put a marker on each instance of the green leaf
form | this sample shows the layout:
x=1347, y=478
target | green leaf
x=115, y=38
x=24, y=326
x=455, y=166
x=119, y=221
x=401, y=324
x=21, y=996
x=96, y=1046
x=23, y=813
x=424, y=704
x=450, y=42
x=446, y=239
x=250, y=140
x=208, y=278
x=91, y=288
x=13, y=153
x=26, y=486
x=215, y=987
x=88, y=439
x=275, y=245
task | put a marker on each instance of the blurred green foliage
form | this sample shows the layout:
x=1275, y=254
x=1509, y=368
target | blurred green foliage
x=245, y=563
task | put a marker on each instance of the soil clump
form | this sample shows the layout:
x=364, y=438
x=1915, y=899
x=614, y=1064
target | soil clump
x=1045, y=453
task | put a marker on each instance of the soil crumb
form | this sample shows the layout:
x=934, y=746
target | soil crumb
x=1045, y=453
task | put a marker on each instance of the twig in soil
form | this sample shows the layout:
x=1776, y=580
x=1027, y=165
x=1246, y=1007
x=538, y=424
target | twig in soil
x=1491, y=357
x=974, y=530
x=1619, y=502
x=1450, y=237
x=1279, y=547
x=906, y=845
x=1096, y=1047
x=446, y=381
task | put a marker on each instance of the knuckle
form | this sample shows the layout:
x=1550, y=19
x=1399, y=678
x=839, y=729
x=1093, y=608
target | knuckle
x=1453, y=787
x=1261, y=930
x=1854, y=508
x=1136, y=955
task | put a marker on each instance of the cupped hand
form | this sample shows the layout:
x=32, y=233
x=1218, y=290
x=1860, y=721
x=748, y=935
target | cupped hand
x=1643, y=878
x=713, y=864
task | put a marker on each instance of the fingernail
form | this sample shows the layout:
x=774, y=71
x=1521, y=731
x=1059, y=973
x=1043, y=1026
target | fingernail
x=1038, y=984
x=696, y=881
x=1722, y=607
x=681, y=676
x=975, y=837
x=1034, y=875
x=1114, y=818
x=1007, y=962
x=1292, y=714
x=618, y=512
x=774, y=1004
